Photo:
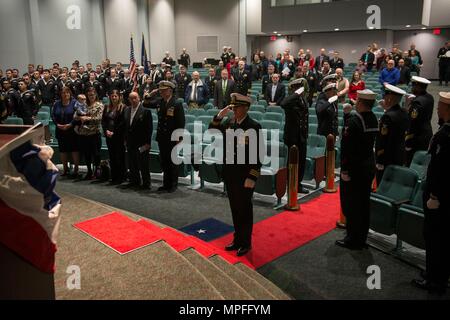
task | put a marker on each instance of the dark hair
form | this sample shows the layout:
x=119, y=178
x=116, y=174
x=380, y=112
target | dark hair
x=46, y=70
x=89, y=90
x=353, y=76
x=64, y=90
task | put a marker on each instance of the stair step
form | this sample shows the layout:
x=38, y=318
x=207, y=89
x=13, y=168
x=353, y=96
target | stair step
x=253, y=288
x=267, y=284
x=155, y=272
x=227, y=287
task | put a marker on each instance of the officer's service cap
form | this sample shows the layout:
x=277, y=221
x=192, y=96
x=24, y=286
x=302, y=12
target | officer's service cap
x=297, y=82
x=367, y=94
x=153, y=64
x=389, y=88
x=329, y=87
x=444, y=97
x=239, y=100
x=420, y=80
x=330, y=77
x=166, y=85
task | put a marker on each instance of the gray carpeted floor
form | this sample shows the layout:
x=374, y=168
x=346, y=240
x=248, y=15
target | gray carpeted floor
x=318, y=270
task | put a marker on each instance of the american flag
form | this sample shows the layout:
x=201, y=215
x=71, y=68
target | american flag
x=133, y=69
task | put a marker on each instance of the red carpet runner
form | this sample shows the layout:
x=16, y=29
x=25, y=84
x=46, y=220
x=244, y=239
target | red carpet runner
x=272, y=238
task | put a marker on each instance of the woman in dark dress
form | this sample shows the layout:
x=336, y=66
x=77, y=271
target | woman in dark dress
x=113, y=124
x=62, y=115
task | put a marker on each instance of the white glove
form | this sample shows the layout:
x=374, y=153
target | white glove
x=345, y=177
x=408, y=149
x=347, y=108
x=380, y=167
x=333, y=99
x=300, y=91
x=433, y=204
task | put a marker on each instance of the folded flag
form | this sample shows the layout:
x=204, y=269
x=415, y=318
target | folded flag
x=29, y=207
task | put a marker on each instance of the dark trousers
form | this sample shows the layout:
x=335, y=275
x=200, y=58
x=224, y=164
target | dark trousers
x=139, y=163
x=116, y=150
x=241, y=206
x=170, y=170
x=437, y=245
x=444, y=73
x=90, y=147
x=355, y=203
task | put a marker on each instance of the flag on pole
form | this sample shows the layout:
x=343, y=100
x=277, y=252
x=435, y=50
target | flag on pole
x=144, y=58
x=133, y=68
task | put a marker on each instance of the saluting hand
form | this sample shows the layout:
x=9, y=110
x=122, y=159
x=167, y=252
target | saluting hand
x=224, y=112
x=249, y=184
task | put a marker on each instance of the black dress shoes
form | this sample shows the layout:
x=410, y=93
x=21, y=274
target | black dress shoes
x=130, y=186
x=348, y=245
x=242, y=251
x=430, y=287
x=231, y=247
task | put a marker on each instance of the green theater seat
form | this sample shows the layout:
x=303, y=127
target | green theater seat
x=411, y=219
x=14, y=121
x=420, y=163
x=315, y=158
x=256, y=115
x=396, y=188
x=273, y=116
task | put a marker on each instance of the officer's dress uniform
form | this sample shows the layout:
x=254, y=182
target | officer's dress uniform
x=3, y=107
x=182, y=84
x=98, y=87
x=114, y=84
x=12, y=97
x=170, y=118
x=420, y=131
x=296, y=128
x=211, y=84
x=27, y=107
x=437, y=237
x=234, y=176
x=243, y=81
x=358, y=161
x=48, y=93
x=327, y=117
x=76, y=86
x=185, y=60
x=390, y=143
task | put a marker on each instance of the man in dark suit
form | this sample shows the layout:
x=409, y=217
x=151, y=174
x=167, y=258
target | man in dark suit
x=185, y=59
x=275, y=92
x=321, y=59
x=170, y=118
x=223, y=90
x=267, y=79
x=138, y=138
x=405, y=73
x=337, y=62
x=368, y=58
x=242, y=78
x=240, y=175
x=211, y=81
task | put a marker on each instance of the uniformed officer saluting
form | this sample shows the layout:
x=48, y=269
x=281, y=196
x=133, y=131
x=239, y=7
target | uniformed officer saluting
x=390, y=143
x=421, y=108
x=357, y=168
x=296, y=124
x=242, y=79
x=327, y=112
x=437, y=206
x=170, y=118
x=240, y=178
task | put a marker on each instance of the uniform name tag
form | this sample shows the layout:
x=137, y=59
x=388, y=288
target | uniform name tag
x=170, y=112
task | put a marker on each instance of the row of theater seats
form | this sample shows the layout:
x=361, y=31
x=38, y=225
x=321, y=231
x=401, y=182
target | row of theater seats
x=397, y=205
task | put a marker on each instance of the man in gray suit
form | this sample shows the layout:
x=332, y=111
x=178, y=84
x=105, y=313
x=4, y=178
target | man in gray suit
x=223, y=90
